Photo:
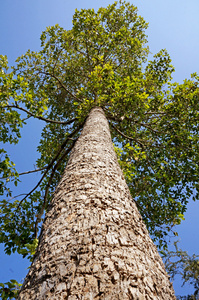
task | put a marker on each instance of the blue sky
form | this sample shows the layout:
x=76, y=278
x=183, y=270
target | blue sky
x=173, y=25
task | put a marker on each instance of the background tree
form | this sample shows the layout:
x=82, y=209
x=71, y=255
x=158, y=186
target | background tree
x=178, y=262
x=156, y=142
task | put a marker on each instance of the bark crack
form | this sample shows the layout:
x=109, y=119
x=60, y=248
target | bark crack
x=99, y=292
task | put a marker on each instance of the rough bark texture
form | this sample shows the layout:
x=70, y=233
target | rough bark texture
x=94, y=244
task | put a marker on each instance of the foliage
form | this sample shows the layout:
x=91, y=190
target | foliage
x=29, y=249
x=10, y=289
x=102, y=61
x=189, y=297
x=178, y=262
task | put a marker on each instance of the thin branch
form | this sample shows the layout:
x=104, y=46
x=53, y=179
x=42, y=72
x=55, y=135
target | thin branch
x=109, y=115
x=39, y=117
x=88, y=57
x=155, y=113
x=52, y=162
x=150, y=165
x=28, y=172
x=143, y=146
x=57, y=59
x=14, y=197
x=11, y=198
x=48, y=186
x=32, y=171
x=135, y=122
x=127, y=137
x=81, y=52
x=62, y=85
x=25, y=119
x=34, y=187
x=149, y=127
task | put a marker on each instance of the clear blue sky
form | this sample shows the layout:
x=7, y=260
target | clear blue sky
x=173, y=25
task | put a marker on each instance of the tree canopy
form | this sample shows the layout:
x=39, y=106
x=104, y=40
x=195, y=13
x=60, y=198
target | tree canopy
x=104, y=60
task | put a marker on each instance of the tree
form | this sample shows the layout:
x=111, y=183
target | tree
x=101, y=62
x=178, y=262
x=94, y=244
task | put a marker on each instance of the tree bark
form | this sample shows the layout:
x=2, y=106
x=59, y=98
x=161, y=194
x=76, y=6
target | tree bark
x=94, y=244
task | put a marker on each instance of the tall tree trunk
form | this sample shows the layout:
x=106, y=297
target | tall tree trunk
x=94, y=244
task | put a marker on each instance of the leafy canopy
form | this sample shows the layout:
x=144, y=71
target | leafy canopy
x=102, y=61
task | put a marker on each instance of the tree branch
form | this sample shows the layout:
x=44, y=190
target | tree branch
x=52, y=162
x=32, y=171
x=88, y=57
x=127, y=137
x=48, y=186
x=109, y=115
x=155, y=113
x=28, y=172
x=39, y=117
x=149, y=127
x=132, y=139
x=62, y=85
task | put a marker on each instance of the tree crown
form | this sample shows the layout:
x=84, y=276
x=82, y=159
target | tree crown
x=102, y=61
